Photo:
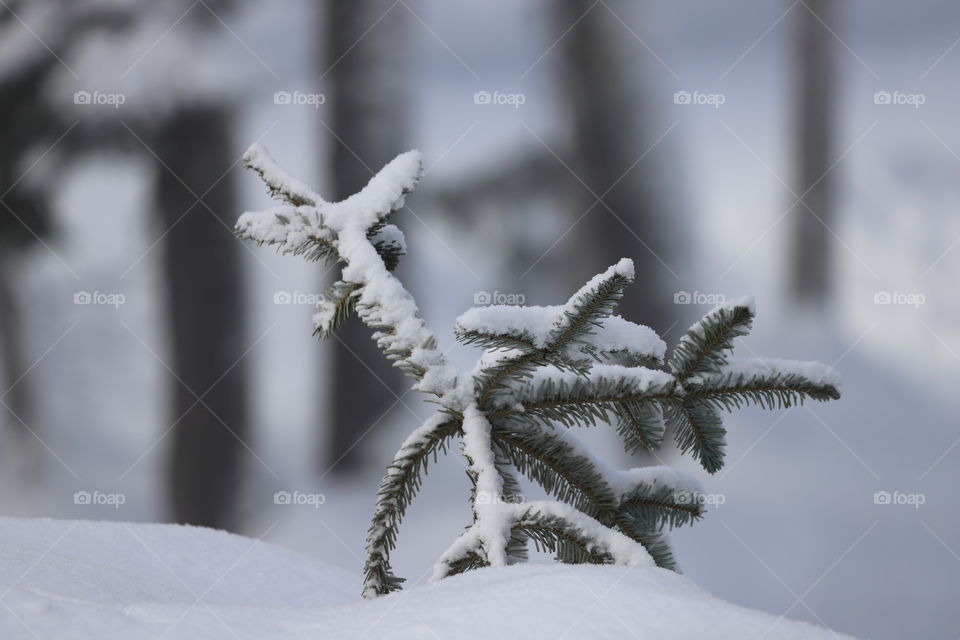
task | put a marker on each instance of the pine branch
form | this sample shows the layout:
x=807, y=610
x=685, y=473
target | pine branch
x=397, y=490
x=490, y=512
x=544, y=367
x=356, y=232
x=530, y=329
x=651, y=507
x=295, y=231
x=496, y=379
x=566, y=472
x=470, y=560
x=551, y=536
x=771, y=389
x=556, y=464
x=593, y=302
x=576, y=537
x=698, y=430
x=465, y=553
x=389, y=243
x=495, y=341
x=705, y=346
x=281, y=185
x=339, y=303
x=583, y=311
x=511, y=494
x=640, y=425
x=656, y=544
x=598, y=394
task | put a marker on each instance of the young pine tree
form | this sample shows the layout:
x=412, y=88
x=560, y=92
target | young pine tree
x=575, y=364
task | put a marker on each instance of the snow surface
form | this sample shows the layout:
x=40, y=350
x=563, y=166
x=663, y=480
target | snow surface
x=130, y=581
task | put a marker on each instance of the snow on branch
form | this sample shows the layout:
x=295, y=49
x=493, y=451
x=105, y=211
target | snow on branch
x=281, y=185
x=350, y=231
x=531, y=327
x=573, y=365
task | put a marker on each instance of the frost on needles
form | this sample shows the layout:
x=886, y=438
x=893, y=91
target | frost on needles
x=542, y=369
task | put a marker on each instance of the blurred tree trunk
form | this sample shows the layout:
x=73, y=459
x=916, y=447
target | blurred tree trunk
x=28, y=123
x=15, y=392
x=814, y=126
x=206, y=320
x=365, y=111
x=609, y=125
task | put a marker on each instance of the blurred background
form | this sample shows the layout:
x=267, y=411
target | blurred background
x=156, y=369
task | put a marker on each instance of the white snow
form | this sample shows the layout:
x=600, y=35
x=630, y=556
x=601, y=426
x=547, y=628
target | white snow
x=383, y=301
x=616, y=334
x=119, y=581
x=653, y=477
x=536, y=325
x=259, y=159
x=491, y=527
x=624, y=551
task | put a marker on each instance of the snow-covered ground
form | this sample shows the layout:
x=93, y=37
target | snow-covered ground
x=127, y=581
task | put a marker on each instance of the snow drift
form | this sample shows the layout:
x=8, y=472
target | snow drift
x=109, y=580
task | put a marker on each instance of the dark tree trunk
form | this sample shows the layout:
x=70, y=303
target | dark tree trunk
x=206, y=321
x=811, y=260
x=16, y=392
x=365, y=113
x=609, y=126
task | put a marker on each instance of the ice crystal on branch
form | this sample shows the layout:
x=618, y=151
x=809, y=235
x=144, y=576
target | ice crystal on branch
x=572, y=365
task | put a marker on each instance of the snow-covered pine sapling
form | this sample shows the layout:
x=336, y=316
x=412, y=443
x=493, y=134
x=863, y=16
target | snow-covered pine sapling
x=542, y=368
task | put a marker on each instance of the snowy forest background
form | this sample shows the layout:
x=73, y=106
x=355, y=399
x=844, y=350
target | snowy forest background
x=149, y=355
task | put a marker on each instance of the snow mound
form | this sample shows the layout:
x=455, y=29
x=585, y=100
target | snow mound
x=117, y=580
